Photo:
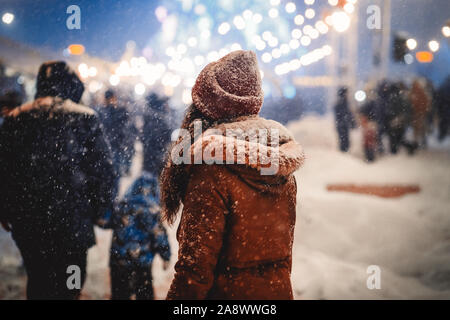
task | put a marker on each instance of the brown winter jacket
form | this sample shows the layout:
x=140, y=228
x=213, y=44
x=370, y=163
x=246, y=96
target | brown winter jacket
x=237, y=226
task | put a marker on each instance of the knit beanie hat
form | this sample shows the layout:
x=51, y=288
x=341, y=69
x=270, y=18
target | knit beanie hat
x=57, y=79
x=229, y=87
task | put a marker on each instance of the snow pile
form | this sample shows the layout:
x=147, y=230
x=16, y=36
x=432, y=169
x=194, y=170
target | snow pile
x=338, y=235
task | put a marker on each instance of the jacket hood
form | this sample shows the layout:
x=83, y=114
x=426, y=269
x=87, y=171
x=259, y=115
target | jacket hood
x=260, y=151
x=52, y=105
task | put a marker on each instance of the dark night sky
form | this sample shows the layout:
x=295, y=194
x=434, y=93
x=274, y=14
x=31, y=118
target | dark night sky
x=105, y=25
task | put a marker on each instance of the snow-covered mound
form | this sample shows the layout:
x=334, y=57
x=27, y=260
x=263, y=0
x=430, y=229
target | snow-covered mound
x=338, y=235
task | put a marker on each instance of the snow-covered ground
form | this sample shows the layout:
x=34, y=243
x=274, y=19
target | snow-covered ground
x=338, y=235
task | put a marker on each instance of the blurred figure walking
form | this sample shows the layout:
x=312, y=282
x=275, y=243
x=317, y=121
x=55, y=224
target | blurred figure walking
x=398, y=118
x=156, y=134
x=369, y=117
x=120, y=132
x=443, y=108
x=344, y=119
x=421, y=107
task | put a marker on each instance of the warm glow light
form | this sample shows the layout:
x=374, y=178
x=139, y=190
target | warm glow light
x=273, y=13
x=236, y=46
x=433, y=45
x=239, y=22
x=192, y=41
x=83, y=69
x=290, y=7
x=273, y=42
x=161, y=13
x=186, y=96
x=266, y=57
x=309, y=2
x=181, y=48
x=349, y=8
x=276, y=53
x=294, y=44
x=266, y=35
x=92, y=71
x=340, y=21
x=139, y=89
x=199, y=60
x=446, y=31
x=247, y=14
x=76, y=49
x=411, y=44
x=360, y=96
x=8, y=18
x=257, y=18
x=205, y=34
x=298, y=20
x=424, y=56
x=284, y=48
x=224, y=28
x=333, y=2
x=321, y=27
x=114, y=80
x=305, y=41
x=296, y=34
x=310, y=13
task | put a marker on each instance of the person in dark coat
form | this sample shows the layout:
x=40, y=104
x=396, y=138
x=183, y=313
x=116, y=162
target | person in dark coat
x=368, y=115
x=443, y=108
x=344, y=119
x=138, y=236
x=56, y=174
x=237, y=223
x=156, y=134
x=398, y=118
x=119, y=131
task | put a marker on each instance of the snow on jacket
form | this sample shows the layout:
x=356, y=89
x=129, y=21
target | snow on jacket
x=237, y=225
x=56, y=174
x=138, y=233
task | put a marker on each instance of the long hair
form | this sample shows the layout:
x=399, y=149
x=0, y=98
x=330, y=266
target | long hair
x=174, y=178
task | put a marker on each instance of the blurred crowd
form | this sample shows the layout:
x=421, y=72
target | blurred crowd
x=403, y=115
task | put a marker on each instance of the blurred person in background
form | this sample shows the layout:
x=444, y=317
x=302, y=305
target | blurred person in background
x=443, y=108
x=421, y=107
x=370, y=117
x=344, y=119
x=398, y=118
x=156, y=133
x=56, y=175
x=120, y=131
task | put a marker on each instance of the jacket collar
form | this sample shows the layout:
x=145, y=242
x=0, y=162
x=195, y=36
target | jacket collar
x=51, y=105
x=254, y=142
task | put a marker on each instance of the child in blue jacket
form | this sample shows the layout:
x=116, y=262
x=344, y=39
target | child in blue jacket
x=137, y=236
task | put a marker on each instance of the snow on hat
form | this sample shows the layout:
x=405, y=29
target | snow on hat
x=229, y=87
